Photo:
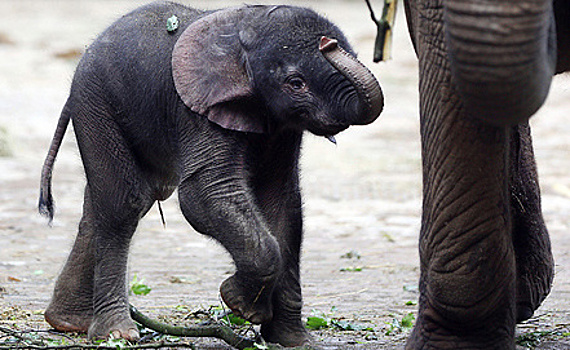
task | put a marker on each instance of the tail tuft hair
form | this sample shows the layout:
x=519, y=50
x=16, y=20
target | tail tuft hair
x=45, y=204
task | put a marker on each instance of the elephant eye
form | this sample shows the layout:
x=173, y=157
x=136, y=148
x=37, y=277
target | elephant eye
x=297, y=84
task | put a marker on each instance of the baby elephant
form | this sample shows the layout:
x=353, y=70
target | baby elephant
x=213, y=103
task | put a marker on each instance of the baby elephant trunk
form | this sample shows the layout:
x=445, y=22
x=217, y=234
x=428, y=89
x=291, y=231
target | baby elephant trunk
x=371, y=99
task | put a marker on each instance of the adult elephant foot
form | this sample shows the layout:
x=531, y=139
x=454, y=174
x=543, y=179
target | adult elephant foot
x=534, y=280
x=535, y=263
x=434, y=337
x=535, y=269
x=248, y=298
x=117, y=326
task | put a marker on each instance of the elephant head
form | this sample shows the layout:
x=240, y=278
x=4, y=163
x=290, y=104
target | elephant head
x=287, y=59
x=502, y=56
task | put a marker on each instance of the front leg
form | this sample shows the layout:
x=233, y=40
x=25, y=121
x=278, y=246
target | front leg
x=286, y=327
x=218, y=202
x=277, y=191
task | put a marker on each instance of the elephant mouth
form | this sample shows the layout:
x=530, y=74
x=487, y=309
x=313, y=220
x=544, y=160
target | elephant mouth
x=328, y=130
x=319, y=124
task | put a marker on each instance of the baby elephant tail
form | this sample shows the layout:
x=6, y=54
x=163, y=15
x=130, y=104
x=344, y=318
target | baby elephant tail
x=45, y=205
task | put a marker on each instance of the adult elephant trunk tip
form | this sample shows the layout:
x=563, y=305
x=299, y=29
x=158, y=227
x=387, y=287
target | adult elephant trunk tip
x=368, y=89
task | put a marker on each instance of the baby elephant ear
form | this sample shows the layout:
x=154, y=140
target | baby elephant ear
x=209, y=68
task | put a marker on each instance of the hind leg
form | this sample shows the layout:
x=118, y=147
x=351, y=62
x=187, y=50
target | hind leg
x=71, y=307
x=535, y=264
x=113, y=232
x=90, y=294
x=91, y=291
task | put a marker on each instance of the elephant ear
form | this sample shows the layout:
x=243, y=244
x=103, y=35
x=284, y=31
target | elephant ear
x=210, y=72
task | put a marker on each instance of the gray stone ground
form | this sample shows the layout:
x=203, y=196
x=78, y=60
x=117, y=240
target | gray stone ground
x=363, y=195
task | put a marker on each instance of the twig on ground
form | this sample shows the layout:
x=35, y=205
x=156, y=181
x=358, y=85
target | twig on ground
x=24, y=342
x=218, y=331
x=23, y=339
x=18, y=335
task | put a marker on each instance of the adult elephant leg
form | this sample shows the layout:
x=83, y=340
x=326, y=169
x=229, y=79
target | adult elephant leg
x=535, y=264
x=468, y=269
x=71, y=306
x=218, y=202
x=467, y=258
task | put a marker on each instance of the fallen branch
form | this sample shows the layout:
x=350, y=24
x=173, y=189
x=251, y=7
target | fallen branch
x=26, y=340
x=218, y=331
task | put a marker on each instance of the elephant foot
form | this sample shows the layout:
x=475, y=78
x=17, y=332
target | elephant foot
x=68, y=322
x=105, y=326
x=71, y=306
x=532, y=289
x=535, y=272
x=248, y=299
x=423, y=337
x=286, y=333
x=524, y=311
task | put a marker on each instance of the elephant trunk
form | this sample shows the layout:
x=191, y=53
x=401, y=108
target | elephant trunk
x=370, y=97
x=502, y=56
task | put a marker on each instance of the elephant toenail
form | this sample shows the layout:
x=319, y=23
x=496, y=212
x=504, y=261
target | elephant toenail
x=133, y=334
x=116, y=335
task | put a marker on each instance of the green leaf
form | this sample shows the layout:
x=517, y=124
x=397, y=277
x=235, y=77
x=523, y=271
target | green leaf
x=351, y=269
x=399, y=326
x=408, y=320
x=235, y=320
x=118, y=343
x=257, y=346
x=138, y=287
x=411, y=302
x=345, y=325
x=315, y=322
x=334, y=309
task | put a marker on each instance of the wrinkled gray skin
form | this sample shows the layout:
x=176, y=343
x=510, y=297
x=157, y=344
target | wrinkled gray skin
x=257, y=81
x=485, y=68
